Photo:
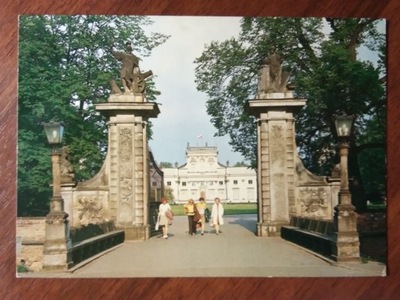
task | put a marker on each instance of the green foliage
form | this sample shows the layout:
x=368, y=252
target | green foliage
x=322, y=59
x=168, y=193
x=164, y=164
x=229, y=209
x=65, y=66
x=240, y=208
x=241, y=164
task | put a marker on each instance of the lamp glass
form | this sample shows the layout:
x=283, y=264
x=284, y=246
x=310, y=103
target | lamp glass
x=343, y=125
x=54, y=132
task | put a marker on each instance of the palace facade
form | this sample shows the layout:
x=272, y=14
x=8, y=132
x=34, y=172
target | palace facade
x=203, y=176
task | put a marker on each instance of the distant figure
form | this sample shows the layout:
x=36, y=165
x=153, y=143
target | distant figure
x=217, y=213
x=201, y=207
x=22, y=268
x=130, y=62
x=165, y=216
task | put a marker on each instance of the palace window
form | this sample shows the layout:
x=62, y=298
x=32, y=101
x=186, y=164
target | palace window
x=183, y=183
x=169, y=183
x=221, y=183
x=250, y=181
x=235, y=182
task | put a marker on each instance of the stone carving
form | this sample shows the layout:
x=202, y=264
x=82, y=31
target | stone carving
x=277, y=131
x=271, y=77
x=114, y=87
x=277, y=145
x=133, y=80
x=125, y=144
x=126, y=175
x=56, y=218
x=336, y=173
x=90, y=210
x=313, y=202
x=67, y=174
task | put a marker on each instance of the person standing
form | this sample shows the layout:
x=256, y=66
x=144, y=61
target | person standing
x=217, y=213
x=165, y=216
x=190, y=211
x=201, y=207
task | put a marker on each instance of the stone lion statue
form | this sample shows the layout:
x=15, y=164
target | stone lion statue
x=67, y=174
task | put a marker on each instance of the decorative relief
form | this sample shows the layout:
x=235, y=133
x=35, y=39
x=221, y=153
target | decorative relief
x=277, y=131
x=90, y=210
x=277, y=147
x=56, y=218
x=125, y=144
x=125, y=174
x=313, y=202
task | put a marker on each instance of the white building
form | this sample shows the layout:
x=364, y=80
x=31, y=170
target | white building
x=203, y=176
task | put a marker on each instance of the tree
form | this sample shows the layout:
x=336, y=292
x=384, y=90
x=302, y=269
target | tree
x=169, y=194
x=164, y=164
x=241, y=164
x=65, y=66
x=324, y=70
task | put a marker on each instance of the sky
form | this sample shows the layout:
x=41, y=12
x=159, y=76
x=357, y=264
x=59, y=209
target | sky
x=183, y=117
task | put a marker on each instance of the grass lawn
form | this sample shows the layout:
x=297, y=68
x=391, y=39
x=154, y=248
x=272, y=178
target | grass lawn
x=229, y=209
x=376, y=206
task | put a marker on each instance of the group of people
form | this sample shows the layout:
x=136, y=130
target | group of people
x=198, y=214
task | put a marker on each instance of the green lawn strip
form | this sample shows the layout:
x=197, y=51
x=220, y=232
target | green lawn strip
x=229, y=209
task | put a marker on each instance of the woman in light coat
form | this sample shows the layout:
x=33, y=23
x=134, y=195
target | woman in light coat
x=217, y=213
x=165, y=216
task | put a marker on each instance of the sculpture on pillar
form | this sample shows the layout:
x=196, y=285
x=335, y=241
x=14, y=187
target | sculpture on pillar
x=133, y=80
x=67, y=173
x=271, y=77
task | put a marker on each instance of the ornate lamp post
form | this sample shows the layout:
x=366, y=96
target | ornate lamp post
x=347, y=240
x=54, y=132
x=56, y=250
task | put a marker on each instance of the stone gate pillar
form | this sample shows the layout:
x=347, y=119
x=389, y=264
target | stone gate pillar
x=128, y=162
x=276, y=159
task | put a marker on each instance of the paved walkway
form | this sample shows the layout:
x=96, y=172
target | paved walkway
x=236, y=252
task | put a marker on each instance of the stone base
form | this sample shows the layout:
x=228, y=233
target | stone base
x=56, y=256
x=282, y=95
x=57, y=262
x=135, y=233
x=270, y=229
x=126, y=97
x=346, y=247
x=57, y=245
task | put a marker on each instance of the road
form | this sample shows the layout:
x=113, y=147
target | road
x=236, y=252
